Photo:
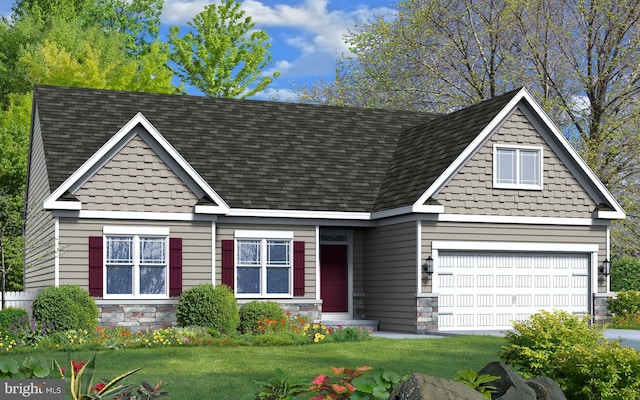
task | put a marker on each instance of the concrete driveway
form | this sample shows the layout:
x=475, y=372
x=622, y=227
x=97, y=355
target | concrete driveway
x=628, y=338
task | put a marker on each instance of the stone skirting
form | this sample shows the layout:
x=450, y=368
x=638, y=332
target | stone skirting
x=358, y=306
x=309, y=310
x=601, y=313
x=427, y=314
x=137, y=316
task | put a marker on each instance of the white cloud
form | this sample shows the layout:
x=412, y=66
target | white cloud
x=178, y=12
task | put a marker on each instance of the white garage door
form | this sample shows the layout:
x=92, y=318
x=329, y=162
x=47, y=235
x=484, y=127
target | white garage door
x=489, y=290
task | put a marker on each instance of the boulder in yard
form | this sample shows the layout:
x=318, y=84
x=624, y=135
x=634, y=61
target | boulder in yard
x=426, y=387
x=546, y=388
x=510, y=386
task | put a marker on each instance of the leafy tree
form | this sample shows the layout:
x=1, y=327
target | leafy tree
x=11, y=264
x=14, y=142
x=579, y=58
x=139, y=20
x=223, y=55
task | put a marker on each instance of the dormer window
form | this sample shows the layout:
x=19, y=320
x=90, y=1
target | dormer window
x=517, y=167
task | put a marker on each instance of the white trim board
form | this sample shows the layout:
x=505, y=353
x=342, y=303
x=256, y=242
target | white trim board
x=515, y=246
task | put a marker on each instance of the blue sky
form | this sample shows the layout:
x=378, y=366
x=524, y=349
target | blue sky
x=307, y=35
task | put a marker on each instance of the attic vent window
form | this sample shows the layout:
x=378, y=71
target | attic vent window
x=517, y=167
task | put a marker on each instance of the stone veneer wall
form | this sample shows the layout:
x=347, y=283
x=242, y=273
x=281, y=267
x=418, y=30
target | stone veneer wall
x=309, y=310
x=155, y=316
x=138, y=316
x=601, y=313
x=427, y=314
x=358, y=306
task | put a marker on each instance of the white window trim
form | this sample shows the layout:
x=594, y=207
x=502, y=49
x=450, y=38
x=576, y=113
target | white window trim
x=263, y=236
x=136, y=232
x=498, y=185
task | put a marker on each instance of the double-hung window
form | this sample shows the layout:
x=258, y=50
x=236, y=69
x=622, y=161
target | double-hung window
x=263, y=263
x=136, y=265
x=517, y=167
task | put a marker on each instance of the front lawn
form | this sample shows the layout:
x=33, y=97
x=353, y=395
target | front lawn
x=228, y=372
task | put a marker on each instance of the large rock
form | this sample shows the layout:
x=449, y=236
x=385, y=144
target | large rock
x=425, y=387
x=510, y=386
x=546, y=388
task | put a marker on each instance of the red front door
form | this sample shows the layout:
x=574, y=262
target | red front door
x=333, y=277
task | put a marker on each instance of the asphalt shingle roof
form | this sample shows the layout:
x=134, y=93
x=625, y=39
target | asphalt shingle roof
x=271, y=155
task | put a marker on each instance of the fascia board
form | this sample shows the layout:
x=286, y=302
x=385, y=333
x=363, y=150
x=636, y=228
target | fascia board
x=63, y=205
x=243, y=212
x=139, y=118
x=610, y=215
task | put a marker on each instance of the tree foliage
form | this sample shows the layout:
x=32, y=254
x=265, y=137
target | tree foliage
x=579, y=58
x=222, y=55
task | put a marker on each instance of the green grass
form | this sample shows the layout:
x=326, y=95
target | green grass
x=227, y=373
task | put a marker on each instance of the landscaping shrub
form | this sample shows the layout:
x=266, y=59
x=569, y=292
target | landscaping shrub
x=253, y=312
x=350, y=334
x=607, y=371
x=576, y=355
x=534, y=347
x=10, y=316
x=624, y=274
x=66, y=307
x=209, y=306
x=626, y=302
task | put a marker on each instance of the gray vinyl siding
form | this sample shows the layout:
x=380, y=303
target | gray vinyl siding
x=505, y=233
x=74, y=248
x=471, y=190
x=136, y=180
x=390, y=276
x=40, y=227
x=300, y=233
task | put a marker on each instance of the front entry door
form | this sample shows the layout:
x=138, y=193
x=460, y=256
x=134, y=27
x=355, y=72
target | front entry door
x=334, y=277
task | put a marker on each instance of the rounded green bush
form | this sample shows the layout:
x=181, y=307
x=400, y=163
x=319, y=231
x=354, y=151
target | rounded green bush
x=607, y=371
x=624, y=274
x=209, y=306
x=626, y=302
x=66, y=307
x=9, y=316
x=536, y=342
x=255, y=311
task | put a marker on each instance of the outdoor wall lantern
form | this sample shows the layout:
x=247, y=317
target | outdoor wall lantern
x=428, y=265
x=606, y=267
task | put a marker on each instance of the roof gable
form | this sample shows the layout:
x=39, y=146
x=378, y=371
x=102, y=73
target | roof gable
x=502, y=107
x=138, y=125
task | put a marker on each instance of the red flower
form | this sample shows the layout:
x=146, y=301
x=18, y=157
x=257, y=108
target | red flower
x=77, y=365
x=97, y=388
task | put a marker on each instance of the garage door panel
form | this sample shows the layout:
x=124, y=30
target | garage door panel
x=484, y=300
x=490, y=290
x=466, y=280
